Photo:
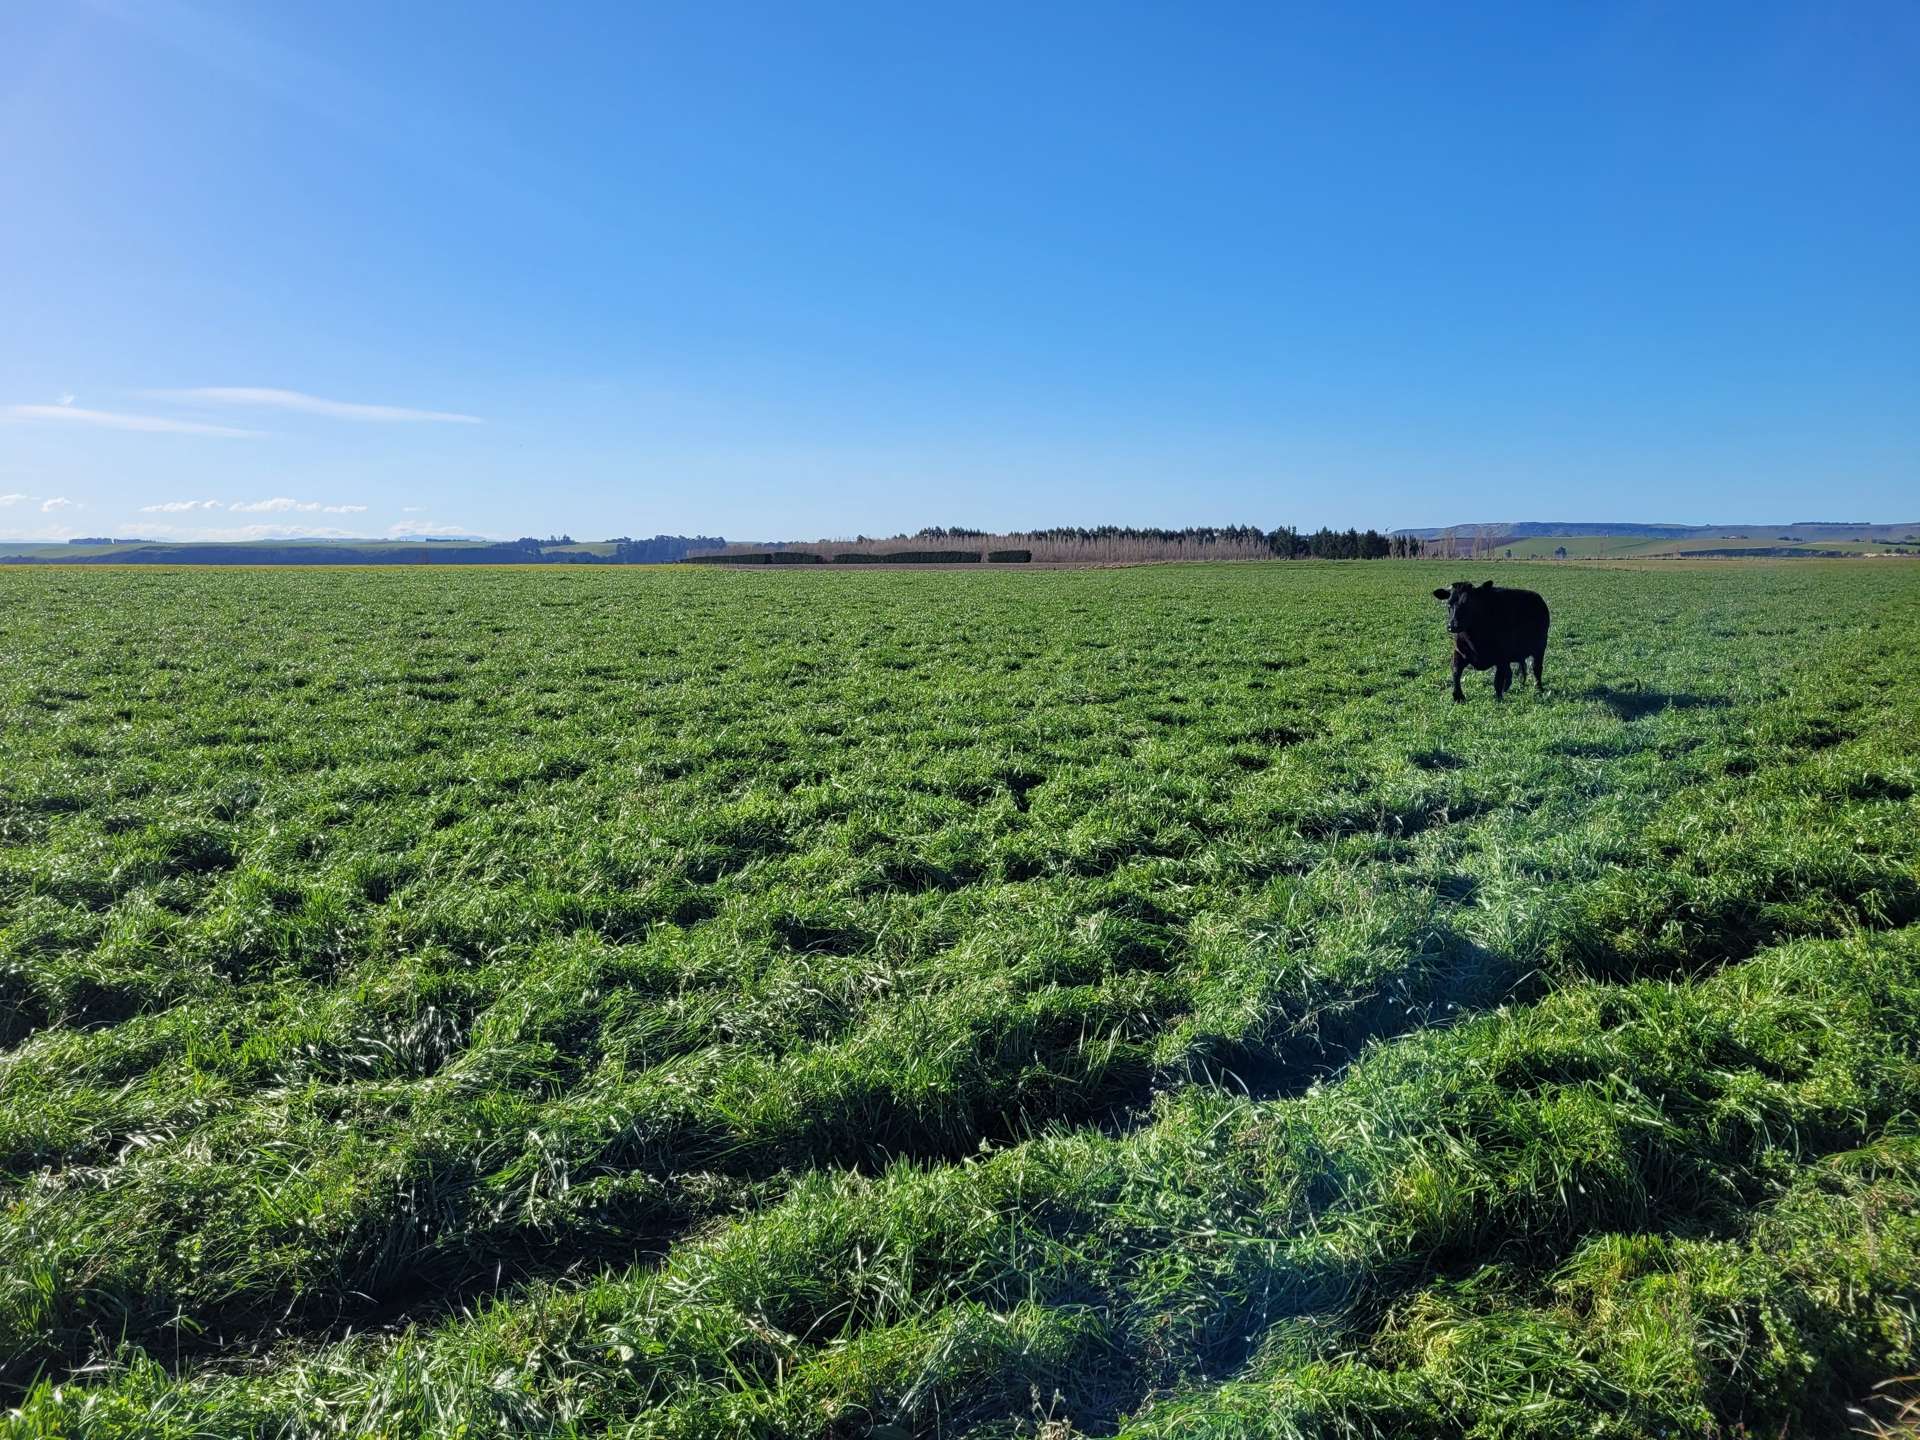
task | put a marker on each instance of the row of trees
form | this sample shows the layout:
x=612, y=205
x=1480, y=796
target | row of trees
x=1114, y=544
x=662, y=549
x=1326, y=544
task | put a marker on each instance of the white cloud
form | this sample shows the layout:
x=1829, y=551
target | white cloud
x=58, y=502
x=68, y=398
x=153, y=531
x=115, y=420
x=282, y=503
x=287, y=532
x=427, y=527
x=315, y=405
x=169, y=507
x=13, y=499
x=411, y=509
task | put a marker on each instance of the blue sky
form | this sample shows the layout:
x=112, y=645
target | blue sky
x=793, y=271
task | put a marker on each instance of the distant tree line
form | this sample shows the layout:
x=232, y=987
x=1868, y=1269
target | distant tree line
x=797, y=556
x=936, y=544
x=1111, y=544
x=1326, y=544
x=662, y=549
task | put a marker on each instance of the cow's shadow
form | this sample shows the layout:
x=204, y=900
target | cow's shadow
x=1632, y=705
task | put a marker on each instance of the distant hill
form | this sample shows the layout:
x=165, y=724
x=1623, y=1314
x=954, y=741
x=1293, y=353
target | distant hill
x=418, y=550
x=1797, y=529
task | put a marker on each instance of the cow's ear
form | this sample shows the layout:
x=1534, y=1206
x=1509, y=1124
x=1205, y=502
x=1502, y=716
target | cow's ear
x=1486, y=584
x=1440, y=594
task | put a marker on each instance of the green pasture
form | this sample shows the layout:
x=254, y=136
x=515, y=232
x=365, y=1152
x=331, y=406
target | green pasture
x=680, y=1001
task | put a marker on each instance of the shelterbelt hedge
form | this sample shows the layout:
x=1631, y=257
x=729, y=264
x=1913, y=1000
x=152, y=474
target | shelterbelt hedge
x=966, y=1003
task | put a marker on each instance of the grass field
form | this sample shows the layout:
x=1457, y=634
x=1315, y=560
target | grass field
x=689, y=1003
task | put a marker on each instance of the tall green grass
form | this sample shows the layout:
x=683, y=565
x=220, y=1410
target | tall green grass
x=799, y=1003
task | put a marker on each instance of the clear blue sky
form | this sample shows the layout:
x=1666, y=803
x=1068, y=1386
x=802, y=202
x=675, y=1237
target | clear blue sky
x=800, y=270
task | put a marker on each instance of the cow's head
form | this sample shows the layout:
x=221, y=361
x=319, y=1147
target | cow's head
x=1464, y=602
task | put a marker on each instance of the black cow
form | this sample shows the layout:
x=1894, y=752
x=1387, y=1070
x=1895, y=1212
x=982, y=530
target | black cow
x=1492, y=628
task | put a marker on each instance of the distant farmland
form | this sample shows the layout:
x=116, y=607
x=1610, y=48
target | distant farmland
x=1628, y=547
x=833, y=1002
x=1806, y=540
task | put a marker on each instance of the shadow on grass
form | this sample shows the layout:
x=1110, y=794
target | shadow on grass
x=1630, y=705
x=1461, y=980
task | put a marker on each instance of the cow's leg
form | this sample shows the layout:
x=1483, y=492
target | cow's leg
x=1539, y=655
x=1502, y=680
x=1458, y=665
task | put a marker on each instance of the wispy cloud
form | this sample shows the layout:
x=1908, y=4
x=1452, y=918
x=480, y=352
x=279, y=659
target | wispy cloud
x=428, y=527
x=246, y=532
x=57, y=502
x=13, y=499
x=315, y=405
x=281, y=503
x=115, y=420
